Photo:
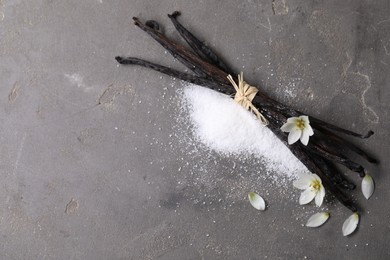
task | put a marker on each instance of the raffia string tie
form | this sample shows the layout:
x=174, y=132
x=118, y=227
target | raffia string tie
x=245, y=93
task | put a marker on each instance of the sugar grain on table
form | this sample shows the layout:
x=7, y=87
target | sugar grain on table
x=224, y=126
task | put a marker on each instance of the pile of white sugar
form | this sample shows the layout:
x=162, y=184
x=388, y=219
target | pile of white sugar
x=226, y=127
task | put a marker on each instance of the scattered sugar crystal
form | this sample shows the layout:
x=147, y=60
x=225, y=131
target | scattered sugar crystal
x=226, y=127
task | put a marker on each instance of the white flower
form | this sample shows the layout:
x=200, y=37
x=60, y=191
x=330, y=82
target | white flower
x=368, y=186
x=317, y=219
x=298, y=128
x=312, y=186
x=350, y=224
x=256, y=200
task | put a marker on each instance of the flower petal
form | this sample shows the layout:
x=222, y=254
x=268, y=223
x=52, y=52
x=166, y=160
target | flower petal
x=368, y=186
x=307, y=196
x=350, y=224
x=256, y=200
x=315, y=176
x=305, y=119
x=320, y=196
x=292, y=119
x=294, y=136
x=309, y=130
x=304, y=137
x=317, y=219
x=304, y=181
x=288, y=127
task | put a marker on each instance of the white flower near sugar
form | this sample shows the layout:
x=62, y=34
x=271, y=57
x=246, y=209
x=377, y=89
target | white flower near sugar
x=350, y=224
x=256, y=200
x=368, y=186
x=312, y=186
x=317, y=219
x=298, y=128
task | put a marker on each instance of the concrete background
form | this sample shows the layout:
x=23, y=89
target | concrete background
x=97, y=161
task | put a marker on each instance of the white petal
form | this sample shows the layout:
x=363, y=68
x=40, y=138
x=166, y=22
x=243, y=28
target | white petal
x=368, y=186
x=304, y=138
x=256, y=200
x=292, y=119
x=288, y=127
x=315, y=176
x=309, y=130
x=305, y=119
x=307, y=196
x=294, y=136
x=304, y=181
x=320, y=196
x=317, y=219
x=350, y=224
x=301, y=184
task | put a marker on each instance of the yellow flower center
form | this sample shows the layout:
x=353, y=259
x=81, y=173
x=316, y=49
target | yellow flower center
x=316, y=185
x=300, y=123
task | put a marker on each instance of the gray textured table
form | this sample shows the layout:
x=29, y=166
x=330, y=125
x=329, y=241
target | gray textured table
x=95, y=163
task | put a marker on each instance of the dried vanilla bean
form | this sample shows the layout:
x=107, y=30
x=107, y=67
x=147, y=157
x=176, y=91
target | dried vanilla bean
x=189, y=59
x=203, y=51
x=199, y=47
x=338, y=141
x=173, y=73
x=319, y=167
x=334, y=174
x=323, y=149
x=211, y=72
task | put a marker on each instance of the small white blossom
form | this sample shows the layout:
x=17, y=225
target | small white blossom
x=350, y=224
x=317, y=219
x=298, y=128
x=256, y=200
x=313, y=188
x=368, y=186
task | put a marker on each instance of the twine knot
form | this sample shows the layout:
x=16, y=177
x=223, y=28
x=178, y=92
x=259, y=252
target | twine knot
x=245, y=93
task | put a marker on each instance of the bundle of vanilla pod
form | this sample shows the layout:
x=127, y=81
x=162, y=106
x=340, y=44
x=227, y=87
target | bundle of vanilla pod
x=317, y=144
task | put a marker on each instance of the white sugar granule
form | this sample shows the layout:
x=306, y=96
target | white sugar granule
x=226, y=127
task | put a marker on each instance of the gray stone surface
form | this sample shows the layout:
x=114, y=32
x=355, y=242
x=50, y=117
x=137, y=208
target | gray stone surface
x=95, y=163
